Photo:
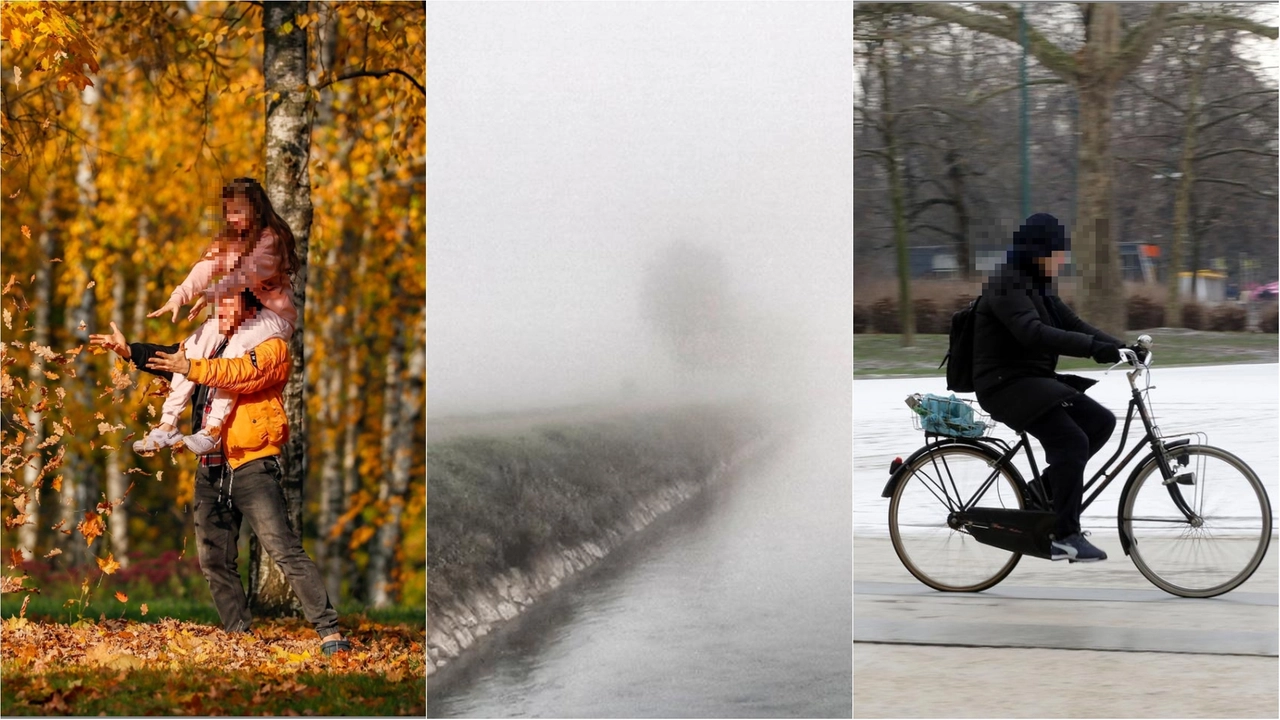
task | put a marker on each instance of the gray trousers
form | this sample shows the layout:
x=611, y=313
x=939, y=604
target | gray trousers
x=255, y=495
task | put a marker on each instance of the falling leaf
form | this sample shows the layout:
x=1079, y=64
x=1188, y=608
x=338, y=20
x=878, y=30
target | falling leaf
x=15, y=558
x=8, y=319
x=55, y=260
x=17, y=78
x=144, y=608
x=51, y=375
x=159, y=475
x=56, y=551
x=122, y=597
x=16, y=193
x=16, y=520
x=26, y=232
x=57, y=487
x=22, y=613
x=12, y=584
x=99, y=416
x=91, y=527
x=81, y=326
x=104, y=508
x=91, y=284
x=108, y=566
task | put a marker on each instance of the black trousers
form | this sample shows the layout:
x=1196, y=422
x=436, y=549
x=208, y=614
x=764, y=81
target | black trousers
x=255, y=494
x=1071, y=433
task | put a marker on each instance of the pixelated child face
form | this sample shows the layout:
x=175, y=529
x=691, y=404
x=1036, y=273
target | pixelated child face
x=230, y=314
x=237, y=211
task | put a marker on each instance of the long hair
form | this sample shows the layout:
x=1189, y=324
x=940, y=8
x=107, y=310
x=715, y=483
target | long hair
x=262, y=218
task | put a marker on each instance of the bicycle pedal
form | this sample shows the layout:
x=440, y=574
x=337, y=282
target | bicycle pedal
x=1186, y=478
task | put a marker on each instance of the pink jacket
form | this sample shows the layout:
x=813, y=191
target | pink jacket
x=253, y=271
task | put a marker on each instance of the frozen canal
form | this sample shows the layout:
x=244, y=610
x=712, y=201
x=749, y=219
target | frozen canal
x=1234, y=404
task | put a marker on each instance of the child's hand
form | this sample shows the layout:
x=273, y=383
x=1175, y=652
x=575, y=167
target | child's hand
x=175, y=363
x=170, y=305
x=114, y=342
x=196, y=307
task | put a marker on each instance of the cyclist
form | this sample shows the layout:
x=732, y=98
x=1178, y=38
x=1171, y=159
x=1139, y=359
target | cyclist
x=1020, y=328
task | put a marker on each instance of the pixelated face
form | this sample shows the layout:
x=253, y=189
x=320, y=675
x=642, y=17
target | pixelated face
x=230, y=314
x=238, y=211
x=1053, y=264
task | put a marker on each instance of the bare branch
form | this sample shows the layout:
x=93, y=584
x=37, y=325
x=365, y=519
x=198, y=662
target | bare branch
x=983, y=98
x=1052, y=57
x=1237, y=183
x=1228, y=116
x=1215, y=21
x=1138, y=42
x=372, y=73
x=1228, y=151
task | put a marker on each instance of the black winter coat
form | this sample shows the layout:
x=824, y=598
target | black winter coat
x=1020, y=329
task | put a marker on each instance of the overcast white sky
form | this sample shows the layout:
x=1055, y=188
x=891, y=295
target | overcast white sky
x=570, y=142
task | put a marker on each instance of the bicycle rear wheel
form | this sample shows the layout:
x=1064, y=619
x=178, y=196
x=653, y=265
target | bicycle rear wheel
x=931, y=488
x=1197, y=540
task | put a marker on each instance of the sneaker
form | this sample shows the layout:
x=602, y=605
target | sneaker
x=1075, y=548
x=156, y=439
x=202, y=443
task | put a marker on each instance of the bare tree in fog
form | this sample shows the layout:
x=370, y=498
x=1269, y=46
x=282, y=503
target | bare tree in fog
x=687, y=298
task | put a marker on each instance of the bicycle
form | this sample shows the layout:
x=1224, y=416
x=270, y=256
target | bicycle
x=961, y=515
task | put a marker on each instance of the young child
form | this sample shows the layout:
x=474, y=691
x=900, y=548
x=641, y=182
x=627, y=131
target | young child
x=254, y=252
x=240, y=323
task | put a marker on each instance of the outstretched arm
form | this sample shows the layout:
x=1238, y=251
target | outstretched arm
x=137, y=353
x=266, y=365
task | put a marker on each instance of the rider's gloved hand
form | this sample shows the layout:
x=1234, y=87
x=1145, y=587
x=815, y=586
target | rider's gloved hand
x=1104, y=352
x=1140, y=351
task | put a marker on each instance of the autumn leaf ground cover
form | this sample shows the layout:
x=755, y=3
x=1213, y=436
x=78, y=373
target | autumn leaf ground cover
x=167, y=666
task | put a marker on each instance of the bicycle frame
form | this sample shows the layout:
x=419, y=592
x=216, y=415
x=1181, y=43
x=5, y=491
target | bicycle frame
x=1109, y=471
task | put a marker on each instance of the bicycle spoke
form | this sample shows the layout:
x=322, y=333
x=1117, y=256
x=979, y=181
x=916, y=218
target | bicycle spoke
x=1223, y=543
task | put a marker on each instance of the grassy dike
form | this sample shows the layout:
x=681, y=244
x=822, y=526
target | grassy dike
x=882, y=356
x=497, y=501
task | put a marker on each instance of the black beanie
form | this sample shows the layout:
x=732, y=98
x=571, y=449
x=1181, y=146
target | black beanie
x=1039, y=236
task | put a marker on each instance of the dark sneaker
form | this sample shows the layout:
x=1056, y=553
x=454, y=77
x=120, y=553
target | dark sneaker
x=1075, y=549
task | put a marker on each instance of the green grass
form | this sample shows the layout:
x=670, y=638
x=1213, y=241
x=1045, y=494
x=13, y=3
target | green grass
x=202, y=691
x=46, y=608
x=497, y=500
x=883, y=355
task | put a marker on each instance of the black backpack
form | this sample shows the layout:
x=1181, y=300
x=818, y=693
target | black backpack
x=959, y=357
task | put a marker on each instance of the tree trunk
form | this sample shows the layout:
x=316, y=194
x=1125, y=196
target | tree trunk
x=896, y=205
x=28, y=533
x=118, y=520
x=1094, y=254
x=409, y=405
x=288, y=185
x=379, y=562
x=81, y=480
x=1182, y=202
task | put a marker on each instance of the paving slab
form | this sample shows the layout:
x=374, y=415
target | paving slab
x=1060, y=640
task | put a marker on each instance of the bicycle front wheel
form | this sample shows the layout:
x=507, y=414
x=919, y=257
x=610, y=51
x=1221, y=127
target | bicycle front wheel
x=935, y=485
x=1202, y=539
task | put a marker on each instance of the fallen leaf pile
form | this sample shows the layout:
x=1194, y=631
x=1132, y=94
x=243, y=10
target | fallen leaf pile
x=276, y=647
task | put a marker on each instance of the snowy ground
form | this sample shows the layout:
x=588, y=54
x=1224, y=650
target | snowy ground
x=1236, y=405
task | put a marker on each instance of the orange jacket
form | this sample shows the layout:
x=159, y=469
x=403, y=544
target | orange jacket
x=256, y=427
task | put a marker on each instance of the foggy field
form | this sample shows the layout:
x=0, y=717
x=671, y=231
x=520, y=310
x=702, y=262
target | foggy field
x=876, y=355
x=498, y=499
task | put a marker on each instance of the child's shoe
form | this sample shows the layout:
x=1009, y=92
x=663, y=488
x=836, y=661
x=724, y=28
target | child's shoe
x=155, y=440
x=201, y=443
